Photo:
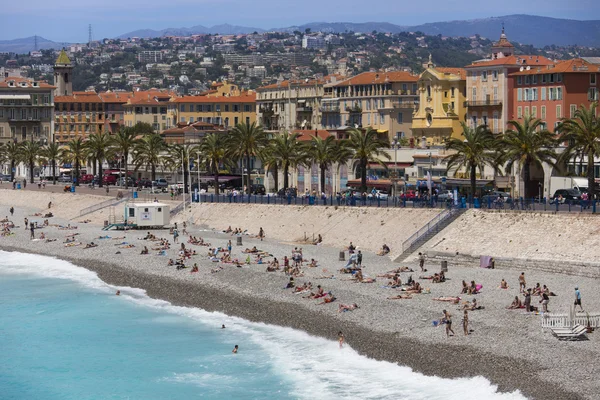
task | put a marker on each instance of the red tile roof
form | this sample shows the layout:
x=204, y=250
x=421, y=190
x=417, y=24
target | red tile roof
x=244, y=98
x=455, y=71
x=513, y=60
x=573, y=66
x=368, y=78
x=29, y=82
x=306, y=135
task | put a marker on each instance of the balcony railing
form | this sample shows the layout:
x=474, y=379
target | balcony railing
x=330, y=109
x=304, y=109
x=484, y=103
x=405, y=104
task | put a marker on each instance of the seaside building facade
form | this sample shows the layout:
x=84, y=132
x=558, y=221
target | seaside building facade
x=26, y=110
x=384, y=101
x=78, y=115
x=441, y=104
x=225, y=111
x=150, y=107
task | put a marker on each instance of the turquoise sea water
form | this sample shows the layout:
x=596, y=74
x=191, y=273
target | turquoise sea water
x=65, y=335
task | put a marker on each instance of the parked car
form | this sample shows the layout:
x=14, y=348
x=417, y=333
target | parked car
x=445, y=195
x=562, y=196
x=409, y=195
x=145, y=183
x=379, y=194
x=109, y=179
x=258, y=189
x=5, y=177
x=86, y=178
x=130, y=181
x=65, y=178
x=160, y=183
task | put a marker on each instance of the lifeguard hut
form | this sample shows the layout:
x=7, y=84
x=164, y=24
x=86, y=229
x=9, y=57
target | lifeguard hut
x=147, y=215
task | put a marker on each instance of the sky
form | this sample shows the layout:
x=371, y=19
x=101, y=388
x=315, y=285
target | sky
x=68, y=20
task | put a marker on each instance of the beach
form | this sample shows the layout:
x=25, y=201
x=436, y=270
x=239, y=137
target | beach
x=508, y=347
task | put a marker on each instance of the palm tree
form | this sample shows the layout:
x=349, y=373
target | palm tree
x=246, y=141
x=287, y=151
x=367, y=147
x=526, y=144
x=342, y=154
x=472, y=153
x=99, y=148
x=52, y=153
x=214, y=153
x=147, y=152
x=12, y=153
x=124, y=141
x=179, y=156
x=323, y=152
x=582, y=133
x=30, y=151
x=74, y=153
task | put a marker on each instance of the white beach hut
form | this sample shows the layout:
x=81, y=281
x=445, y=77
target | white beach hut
x=147, y=215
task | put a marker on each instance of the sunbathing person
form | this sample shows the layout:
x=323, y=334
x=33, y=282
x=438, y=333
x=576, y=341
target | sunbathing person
x=228, y=230
x=384, y=250
x=252, y=250
x=144, y=251
x=400, y=297
x=318, y=294
x=395, y=282
x=313, y=263
x=546, y=290
x=347, y=307
x=472, y=306
x=516, y=304
x=473, y=288
x=318, y=241
x=194, y=268
x=465, y=287
x=439, y=278
x=170, y=262
x=290, y=284
x=537, y=290
x=451, y=299
x=90, y=245
x=329, y=298
x=503, y=284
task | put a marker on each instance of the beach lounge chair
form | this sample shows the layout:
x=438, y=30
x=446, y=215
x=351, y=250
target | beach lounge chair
x=577, y=332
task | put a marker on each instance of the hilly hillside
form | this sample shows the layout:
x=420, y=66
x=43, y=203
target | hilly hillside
x=25, y=45
x=224, y=29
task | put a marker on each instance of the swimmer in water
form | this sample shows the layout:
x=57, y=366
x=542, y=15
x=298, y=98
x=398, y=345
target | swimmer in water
x=223, y=326
x=118, y=293
x=235, y=349
x=341, y=338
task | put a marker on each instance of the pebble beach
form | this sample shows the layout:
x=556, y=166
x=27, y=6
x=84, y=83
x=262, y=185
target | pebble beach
x=508, y=347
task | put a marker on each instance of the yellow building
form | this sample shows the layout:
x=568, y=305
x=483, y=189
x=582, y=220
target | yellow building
x=150, y=107
x=224, y=88
x=225, y=111
x=441, y=104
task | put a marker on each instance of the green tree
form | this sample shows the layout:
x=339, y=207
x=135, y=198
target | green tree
x=179, y=156
x=30, y=152
x=582, y=133
x=74, y=153
x=326, y=152
x=213, y=151
x=287, y=151
x=99, y=148
x=367, y=147
x=526, y=144
x=147, y=151
x=51, y=153
x=473, y=151
x=12, y=153
x=246, y=141
x=123, y=143
x=142, y=128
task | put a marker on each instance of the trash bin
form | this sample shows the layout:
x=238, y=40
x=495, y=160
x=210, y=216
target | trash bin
x=18, y=186
x=444, y=266
x=239, y=241
x=342, y=256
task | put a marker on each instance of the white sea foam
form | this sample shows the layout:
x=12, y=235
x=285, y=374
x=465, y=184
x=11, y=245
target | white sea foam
x=315, y=367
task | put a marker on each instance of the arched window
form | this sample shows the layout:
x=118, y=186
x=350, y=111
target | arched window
x=429, y=91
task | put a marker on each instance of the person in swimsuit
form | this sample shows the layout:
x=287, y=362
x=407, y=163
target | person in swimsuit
x=341, y=339
x=522, y=283
x=235, y=349
x=447, y=319
x=503, y=284
x=466, y=322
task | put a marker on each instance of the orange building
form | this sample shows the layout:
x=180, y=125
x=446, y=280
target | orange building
x=555, y=91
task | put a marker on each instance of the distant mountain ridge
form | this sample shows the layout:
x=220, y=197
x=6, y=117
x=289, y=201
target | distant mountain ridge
x=526, y=29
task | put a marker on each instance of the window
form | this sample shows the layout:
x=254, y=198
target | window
x=381, y=103
x=198, y=107
x=559, y=93
x=381, y=118
x=226, y=107
x=544, y=77
x=593, y=94
x=519, y=80
x=132, y=212
x=484, y=76
x=218, y=108
x=543, y=93
x=573, y=108
x=446, y=94
x=592, y=79
x=191, y=120
x=452, y=92
x=534, y=79
x=474, y=120
x=495, y=93
x=247, y=108
x=551, y=94
x=1, y=131
x=534, y=93
x=558, y=112
x=558, y=77
x=519, y=94
x=551, y=78
x=400, y=119
x=24, y=113
x=182, y=108
x=534, y=111
x=236, y=108
x=519, y=112
x=247, y=120
x=543, y=111
x=527, y=79
x=428, y=91
x=369, y=119
x=526, y=111
x=159, y=209
x=527, y=95
x=484, y=119
x=209, y=108
x=236, y=120
x=474, y=94
x=495, y=75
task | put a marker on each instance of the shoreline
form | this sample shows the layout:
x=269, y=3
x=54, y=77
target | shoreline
x=509, y=374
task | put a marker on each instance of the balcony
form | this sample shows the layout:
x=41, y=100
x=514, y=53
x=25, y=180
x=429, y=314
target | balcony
x=483, y=103
x=354, y=109
x=304, y=109
x=405, y=104
x=330, y=109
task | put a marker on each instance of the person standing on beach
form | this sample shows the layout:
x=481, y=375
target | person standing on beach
x=422, y=261
x=26, y=223
x=341, y=338
x=545, y=300
x=359, y=259
x=522, y=283
x=447, y=319
x=466, y=323
x=175, y=236
x=578, y=299
x=12, y=211
x=261, y=233
x=527, y=302
x=32, y=228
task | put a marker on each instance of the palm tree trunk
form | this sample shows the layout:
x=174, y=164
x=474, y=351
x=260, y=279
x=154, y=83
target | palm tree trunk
x=94, y=170
x=275, y=173
x=12, y=170
x=125, y=156
x=363, y=175
x=216, y=171
x=323, y=170
x=591, y=176
x=473, y=181
x=526, y=178
x=76, y=172
x=248, y=171
x=286, y=182
x=53, y=171
x=31, y=165
x=153, y=172
x=100, y=172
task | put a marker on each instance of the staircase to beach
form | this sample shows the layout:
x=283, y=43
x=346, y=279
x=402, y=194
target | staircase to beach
x=429, y=230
